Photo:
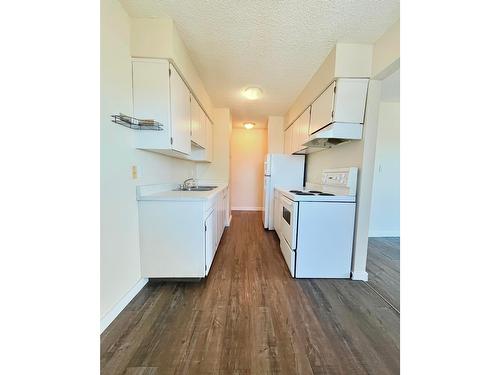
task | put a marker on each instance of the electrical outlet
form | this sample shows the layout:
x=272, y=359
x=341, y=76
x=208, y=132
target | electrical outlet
x=134, y=172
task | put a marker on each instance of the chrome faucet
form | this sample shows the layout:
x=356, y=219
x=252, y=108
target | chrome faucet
x=186, y=186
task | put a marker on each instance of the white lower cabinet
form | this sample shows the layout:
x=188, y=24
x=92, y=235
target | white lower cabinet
x=225, y=208
x=216, y=224
x=210, y=247
x=179, y=239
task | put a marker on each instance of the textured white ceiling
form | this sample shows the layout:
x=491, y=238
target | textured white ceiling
x=275, y=45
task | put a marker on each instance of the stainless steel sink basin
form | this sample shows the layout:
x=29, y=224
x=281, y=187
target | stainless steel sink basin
x=197, y=188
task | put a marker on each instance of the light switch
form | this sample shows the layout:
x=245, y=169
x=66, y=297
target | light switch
x=134, y=172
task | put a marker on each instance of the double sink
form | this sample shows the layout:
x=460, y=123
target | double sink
x=195, y=188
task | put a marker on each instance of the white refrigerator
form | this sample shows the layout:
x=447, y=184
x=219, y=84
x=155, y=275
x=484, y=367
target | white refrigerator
x=280, y=170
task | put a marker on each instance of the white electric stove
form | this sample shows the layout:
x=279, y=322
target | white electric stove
x=316, y=225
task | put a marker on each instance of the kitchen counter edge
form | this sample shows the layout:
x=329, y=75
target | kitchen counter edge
x=186, y=196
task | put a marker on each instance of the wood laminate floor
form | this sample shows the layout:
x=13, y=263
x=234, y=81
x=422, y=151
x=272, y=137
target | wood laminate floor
x=382, y=266
x=250, y=317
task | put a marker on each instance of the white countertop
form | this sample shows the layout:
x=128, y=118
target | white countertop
x=165, y=192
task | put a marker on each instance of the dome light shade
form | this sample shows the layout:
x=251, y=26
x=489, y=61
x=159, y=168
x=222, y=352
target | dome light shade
x=248, y=125
x=252, y=93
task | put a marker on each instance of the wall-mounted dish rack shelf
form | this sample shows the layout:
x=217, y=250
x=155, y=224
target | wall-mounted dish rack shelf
x=136, y=123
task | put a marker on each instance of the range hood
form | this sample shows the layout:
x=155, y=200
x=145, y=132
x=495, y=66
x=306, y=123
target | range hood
x=335, y=133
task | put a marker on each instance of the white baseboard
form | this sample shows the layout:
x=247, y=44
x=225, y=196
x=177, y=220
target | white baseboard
x=118, y=308
x=359, y=275
x=246, y=208
x=384, y=233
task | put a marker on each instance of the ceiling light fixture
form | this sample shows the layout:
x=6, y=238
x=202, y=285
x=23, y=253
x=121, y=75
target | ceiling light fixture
x=252, y=93
x=249, y=125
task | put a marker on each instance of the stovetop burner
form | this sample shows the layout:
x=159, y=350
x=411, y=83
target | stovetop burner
x=300, y=192
x=311, y=192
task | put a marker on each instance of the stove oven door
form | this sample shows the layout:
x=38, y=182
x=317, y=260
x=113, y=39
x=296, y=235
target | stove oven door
x=288, y=225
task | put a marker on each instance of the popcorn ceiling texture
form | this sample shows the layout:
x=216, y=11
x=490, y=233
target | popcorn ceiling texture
x=276, y=45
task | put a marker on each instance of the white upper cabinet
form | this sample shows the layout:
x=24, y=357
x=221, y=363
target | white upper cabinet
x=204, y=154
x=350, y=100
x=288, y=140
x=159, y=93
x=343, y=101
x=301, y=132
x=198, y=124
x=322, y=109
x=297, y=133
x=195, y=120
x=209, y=140
x=151, y=86
x=180, y=113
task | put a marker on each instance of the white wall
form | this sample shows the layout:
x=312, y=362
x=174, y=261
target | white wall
x=318, y=82
x=275, y=135
x=120, y=263
x=248, y=151
x=386, y=53
x=384, y=219
x=120, y=257
x=219, y=168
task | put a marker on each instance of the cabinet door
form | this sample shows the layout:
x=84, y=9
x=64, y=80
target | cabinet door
x=151, y=99
x=350, y=100
x=202, y=130
x=209, y=241
x=195, y=121
x=221, y=214
x=180, y=113
x=301, y=133
x=215, y=228
x=321, y=109
x=306, y=124
x=224, y=209
x=288, y=140
x=198, y=124
x=295, y=134
x=209, y=143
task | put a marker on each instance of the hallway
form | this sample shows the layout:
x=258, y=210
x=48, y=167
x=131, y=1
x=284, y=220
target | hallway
x=250, y=317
